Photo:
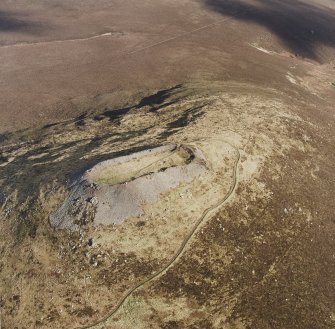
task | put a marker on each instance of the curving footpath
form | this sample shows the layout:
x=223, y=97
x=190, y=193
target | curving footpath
x=179, y=252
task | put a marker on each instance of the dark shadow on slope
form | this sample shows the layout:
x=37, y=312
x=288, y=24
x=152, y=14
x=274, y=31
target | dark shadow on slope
x=4, y=137
x=113, y=115
x=301, y=26
x=80, y=120
x=9, y=22
x=156, y=100
x=186, y=118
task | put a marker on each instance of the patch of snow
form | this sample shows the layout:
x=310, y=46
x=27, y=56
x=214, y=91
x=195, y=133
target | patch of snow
x=263, y=50
x=290, y=78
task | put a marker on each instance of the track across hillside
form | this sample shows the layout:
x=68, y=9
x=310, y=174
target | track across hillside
x=181, y=249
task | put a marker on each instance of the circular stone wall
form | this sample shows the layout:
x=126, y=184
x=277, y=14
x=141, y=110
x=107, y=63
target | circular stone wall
x=117, y=189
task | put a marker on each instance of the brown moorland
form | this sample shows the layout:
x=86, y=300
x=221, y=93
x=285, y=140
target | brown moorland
x=247, y=244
